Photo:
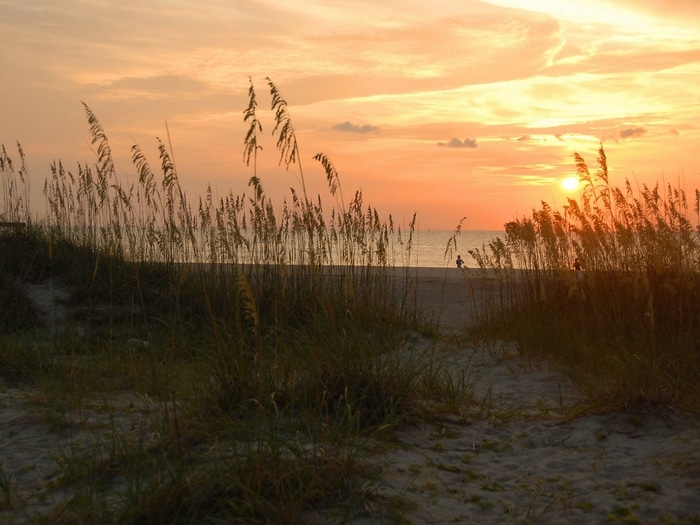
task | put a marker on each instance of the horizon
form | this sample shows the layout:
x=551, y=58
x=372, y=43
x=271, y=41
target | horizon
x=444, y=110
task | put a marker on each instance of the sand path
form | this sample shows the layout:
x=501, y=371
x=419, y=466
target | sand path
x=517, y=456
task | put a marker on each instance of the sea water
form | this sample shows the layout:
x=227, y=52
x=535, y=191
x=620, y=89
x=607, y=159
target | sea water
x=436, y=248
x=428, y=249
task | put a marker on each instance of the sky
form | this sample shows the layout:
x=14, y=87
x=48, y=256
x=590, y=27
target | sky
x=445, y=109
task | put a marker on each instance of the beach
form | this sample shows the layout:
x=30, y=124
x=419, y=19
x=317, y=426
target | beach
x=525, y=449
x=522, y=454
x=528, y=449
x=450, y=297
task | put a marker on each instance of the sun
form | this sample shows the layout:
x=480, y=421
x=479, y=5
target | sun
x=569, y=183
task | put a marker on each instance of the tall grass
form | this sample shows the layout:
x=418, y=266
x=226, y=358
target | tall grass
x=265, y=334
x=627, y=326
x=15, y=188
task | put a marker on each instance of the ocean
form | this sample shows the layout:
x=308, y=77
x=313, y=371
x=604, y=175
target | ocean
x=429, y=247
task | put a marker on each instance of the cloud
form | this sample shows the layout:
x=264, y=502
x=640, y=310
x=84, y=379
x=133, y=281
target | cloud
x=159, y=86
x=354, y=128
x=631, y=133
x=456, y=143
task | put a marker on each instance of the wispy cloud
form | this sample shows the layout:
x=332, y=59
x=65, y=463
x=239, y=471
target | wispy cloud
x=457, y=143
x=354, y=128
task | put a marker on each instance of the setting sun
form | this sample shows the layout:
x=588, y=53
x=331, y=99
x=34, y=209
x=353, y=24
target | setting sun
x=569, y=183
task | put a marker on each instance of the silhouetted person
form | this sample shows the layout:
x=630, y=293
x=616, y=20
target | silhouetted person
x=459, y=261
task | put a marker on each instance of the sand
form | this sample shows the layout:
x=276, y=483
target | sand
x=519, y=453
x=518, y=456
x=522, y=452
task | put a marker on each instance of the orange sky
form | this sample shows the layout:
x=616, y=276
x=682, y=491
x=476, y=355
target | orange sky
x=444, y=108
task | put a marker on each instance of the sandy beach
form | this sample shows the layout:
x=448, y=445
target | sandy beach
x=524, y=450
x=527, y=450
x=450, y=297
x=520, y=454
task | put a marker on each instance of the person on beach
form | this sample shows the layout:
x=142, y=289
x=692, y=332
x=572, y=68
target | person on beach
x=459, y=261
x=578, y=272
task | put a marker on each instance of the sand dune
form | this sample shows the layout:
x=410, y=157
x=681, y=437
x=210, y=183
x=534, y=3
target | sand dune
x=521, y=453
x=518, y=453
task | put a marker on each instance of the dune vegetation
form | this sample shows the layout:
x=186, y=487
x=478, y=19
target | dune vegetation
x=235, y=360
x=258, y=348
x=626, y=327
